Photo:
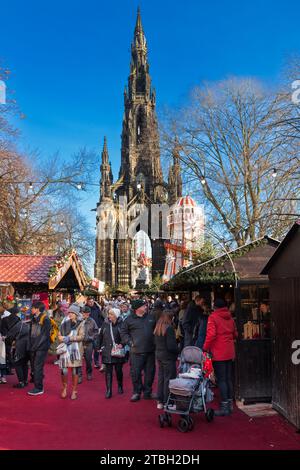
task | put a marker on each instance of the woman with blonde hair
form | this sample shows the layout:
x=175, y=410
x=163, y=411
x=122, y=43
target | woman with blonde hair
x=71, y=344
x=166, y=355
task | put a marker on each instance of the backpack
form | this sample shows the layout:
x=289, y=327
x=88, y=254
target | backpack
x=54, y=328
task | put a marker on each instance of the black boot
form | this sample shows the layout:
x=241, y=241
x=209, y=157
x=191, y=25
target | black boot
x=224, y=409
x=119, y=374
x=230, y=405
x=108, y=379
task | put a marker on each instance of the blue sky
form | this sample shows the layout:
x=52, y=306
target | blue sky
x=70, y=59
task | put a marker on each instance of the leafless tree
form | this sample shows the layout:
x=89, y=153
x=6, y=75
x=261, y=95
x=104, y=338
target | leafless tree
x=39, y=198
x=236, y=161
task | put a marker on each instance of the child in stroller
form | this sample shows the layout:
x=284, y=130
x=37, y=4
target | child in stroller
x=190, y=391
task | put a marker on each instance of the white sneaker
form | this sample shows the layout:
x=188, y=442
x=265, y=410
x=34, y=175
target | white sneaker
x=160, y=406
x=3, y=380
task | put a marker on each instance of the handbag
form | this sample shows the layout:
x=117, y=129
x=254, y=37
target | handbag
x=116, y=352
x=61, y=349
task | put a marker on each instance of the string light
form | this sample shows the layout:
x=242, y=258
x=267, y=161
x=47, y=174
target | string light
x=139, y=186
x=274, y=174
x=203, y=181
x=79, y=186
x=30, y=186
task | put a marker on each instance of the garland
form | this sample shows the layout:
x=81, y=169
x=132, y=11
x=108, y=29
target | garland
x=59, y=263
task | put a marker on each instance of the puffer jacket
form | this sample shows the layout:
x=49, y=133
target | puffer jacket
x=220, y=335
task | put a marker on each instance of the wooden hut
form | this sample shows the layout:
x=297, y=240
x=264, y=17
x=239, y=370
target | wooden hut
x=283, y=270
x=236, y=276
x=38, y=277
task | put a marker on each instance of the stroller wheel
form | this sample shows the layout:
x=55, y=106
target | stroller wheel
x=191, y=423
x=183, y=425
x=210, y=414
x=168, y=419
x=161, y=420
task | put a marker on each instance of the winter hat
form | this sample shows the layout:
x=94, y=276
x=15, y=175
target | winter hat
x=136, y=304
x=86, y=309
x=115, y=311
x=74, y=308
x=219, y=303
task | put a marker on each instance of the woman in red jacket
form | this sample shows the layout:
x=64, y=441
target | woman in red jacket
x=220, y=336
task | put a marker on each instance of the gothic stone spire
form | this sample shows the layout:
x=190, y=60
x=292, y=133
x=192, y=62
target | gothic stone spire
x=175, y=180
x=106, y=174
x=140, y=140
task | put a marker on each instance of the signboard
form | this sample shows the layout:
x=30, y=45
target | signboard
x=41, y=297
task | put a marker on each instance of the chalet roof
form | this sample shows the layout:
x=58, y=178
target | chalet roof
x=26, y=268
x=281, y=247
x=38, y=269
x=244, y=262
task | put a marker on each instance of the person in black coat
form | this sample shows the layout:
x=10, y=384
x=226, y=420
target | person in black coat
x=18, y=338
x=191, y=320
x=98, y=318
x=9, y=319
x=40, y=328
x=166, y=355
x=110, y=336
x=137, y=333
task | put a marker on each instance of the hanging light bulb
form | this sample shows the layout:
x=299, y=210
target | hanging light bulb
x=61, y=223
x=31, y=186
x=139, y=186
x=203, y=180
x=274, y=174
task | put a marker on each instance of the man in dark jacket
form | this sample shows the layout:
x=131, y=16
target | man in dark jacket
x=18, y=335
x=191, y=319
x=90, y=335
x=97, y=317
x=39, y=344
x=137, y=333
x=9, y=319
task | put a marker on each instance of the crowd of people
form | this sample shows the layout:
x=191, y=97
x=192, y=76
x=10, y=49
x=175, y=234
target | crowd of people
x=148, y=332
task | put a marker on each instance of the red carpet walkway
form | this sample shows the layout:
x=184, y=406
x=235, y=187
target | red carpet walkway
x=92, y=422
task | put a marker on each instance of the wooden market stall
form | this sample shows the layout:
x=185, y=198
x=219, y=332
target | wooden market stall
x=283, y=270
x=37, y=277
x=236, y=277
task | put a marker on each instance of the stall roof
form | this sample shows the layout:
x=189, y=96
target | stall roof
x=39, y=269
x=26, y=268
x=281, y=247
x=243, y=262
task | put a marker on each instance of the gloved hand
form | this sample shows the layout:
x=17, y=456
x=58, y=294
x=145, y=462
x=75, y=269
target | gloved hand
x=66, y=339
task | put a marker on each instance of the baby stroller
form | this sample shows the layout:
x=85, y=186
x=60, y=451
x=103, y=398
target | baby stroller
x=190, y=391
